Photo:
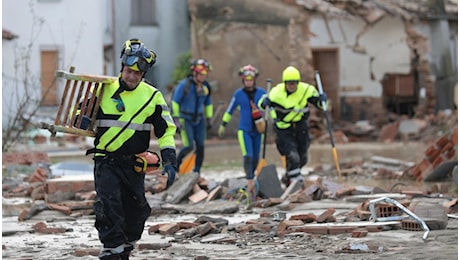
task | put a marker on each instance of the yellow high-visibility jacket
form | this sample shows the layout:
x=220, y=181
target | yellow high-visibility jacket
x=288, y=108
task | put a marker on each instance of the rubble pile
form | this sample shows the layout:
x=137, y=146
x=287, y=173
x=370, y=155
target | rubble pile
x=194, y=194
x=282, y=211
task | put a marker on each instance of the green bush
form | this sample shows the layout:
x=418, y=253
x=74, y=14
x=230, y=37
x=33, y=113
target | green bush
x=182, y=67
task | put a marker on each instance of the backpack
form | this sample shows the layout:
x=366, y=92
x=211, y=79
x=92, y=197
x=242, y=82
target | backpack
x=187, y=89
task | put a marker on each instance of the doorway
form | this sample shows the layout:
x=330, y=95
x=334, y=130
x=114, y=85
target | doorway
x=326, y=62
x=49, y=63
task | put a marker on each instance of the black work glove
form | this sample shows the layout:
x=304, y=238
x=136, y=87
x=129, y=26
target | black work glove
x=208, y=124
x=322, y=97
x=171, y=171
x=85, y=122
x=265, y=103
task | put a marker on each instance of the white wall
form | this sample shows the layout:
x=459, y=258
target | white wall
x=385, y=41
x=169, y=39
x=75, y=28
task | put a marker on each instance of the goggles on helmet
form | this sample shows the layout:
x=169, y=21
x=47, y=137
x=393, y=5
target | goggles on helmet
x=136, y=54
x=201, y=69
x=201, y=66
x=248, y=75
x=248, y=72
x=130, y=61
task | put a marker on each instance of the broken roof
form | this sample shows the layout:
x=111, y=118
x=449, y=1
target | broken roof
x=408, y=9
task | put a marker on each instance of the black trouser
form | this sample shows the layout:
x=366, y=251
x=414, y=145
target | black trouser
x=121, y=208
x=293, y=143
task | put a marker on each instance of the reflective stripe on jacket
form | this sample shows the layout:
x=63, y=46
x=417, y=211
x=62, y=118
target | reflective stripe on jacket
x=291, y=108
x=128, y=132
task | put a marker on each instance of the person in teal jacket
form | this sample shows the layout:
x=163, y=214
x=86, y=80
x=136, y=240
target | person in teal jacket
x=192, y=111
x=245, y=99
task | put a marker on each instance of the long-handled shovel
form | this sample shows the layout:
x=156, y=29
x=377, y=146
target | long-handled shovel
x=266, y=176
x=334, y=151
x=263, y=162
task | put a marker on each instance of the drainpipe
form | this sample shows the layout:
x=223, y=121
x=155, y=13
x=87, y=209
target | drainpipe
x=113, y=37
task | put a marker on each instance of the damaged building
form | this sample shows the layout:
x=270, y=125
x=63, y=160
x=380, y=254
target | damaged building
x=375, y=57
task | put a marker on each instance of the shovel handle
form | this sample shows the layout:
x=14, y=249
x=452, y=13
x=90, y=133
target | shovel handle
x=331, y=136
x=267, y=112
x=320, y=89
x=269, y=86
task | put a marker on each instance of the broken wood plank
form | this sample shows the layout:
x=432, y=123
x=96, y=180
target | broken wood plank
x=198, y=196
x=289, y=190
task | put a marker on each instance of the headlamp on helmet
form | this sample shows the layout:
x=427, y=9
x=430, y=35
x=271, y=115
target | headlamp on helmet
x=136, y=56
x=248, y=72
x=201, y=66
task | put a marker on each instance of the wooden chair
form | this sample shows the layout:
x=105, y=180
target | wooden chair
x=79, y=89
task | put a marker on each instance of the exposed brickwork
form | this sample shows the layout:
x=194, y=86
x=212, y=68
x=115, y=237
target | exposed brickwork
x=443, y=149
x=387, y=210
x=410, y=225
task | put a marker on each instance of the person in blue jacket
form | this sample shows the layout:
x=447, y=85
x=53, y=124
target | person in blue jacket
x=192, y=111
x=249, y=135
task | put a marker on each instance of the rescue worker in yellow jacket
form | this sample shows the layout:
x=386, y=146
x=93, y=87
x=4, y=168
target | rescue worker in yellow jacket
x=289, y=103
x=129, y=108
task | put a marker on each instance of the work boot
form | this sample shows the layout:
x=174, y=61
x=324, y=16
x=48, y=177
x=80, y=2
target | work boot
x=126, y=252
x=112, y=253
x=110, y=256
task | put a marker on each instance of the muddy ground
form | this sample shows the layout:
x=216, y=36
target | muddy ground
x=20, y=242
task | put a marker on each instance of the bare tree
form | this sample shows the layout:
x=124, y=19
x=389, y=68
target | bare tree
x=25, y=93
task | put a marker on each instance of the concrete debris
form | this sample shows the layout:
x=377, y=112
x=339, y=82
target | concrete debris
x=274, y=217
x=283, y=211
